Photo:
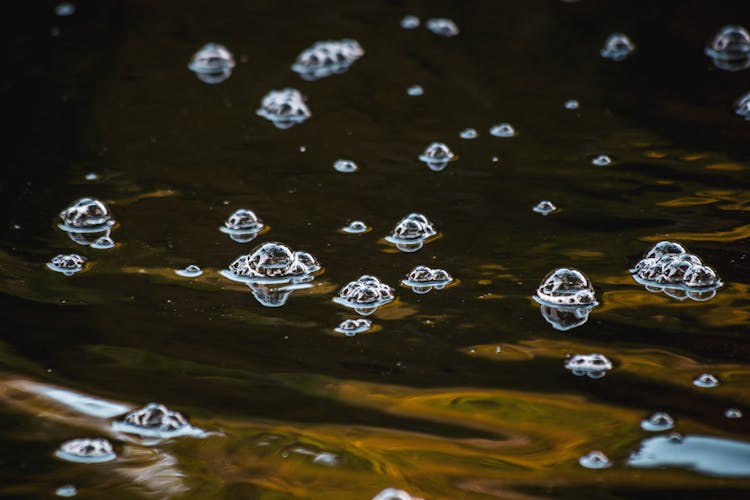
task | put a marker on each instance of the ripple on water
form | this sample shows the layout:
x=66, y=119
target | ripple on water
x=67, y=264
x=730, y=48
x=423, y=279
x=86, y=450
x=212, y=63
x=595, y=460
x=437, y=156
x=411, y=233
x=617, y=47
x=326, y=58
x=365, y=295
x=284, y=108
x=657, y=422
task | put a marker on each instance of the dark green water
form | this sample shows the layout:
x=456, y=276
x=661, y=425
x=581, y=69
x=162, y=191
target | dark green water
x=425, y=403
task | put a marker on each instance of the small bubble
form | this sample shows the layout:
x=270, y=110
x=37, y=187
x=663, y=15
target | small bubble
x=351, y=327
x=601, y=160
x=415, y=90
x=65, y=9
x=410, y=22
x=571, y=104
x=442, y=26
x=617, y=47
x=284, y=108
x=356, y=227
x=345, y=166
x=595, y=460
x=394, y=494
x=657, y=422
x=191, y=271
x=495, y=159
x=544, y=207
x=469, y=133
x=212, y=63
x=91, y=176
x=103, y=243
x=706, y=381
x=503, y=130
x=592, y=365
x=675, y=438
x=326, y=58
x=411, y=232
x=67, y=491
x=437, y=156
x=67, y=264
x=302, y=149
x=242, y=225
x=742, y=106
x=86, y=450
x=733, y=413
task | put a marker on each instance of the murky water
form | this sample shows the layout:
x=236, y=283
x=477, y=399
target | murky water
x=462, y=392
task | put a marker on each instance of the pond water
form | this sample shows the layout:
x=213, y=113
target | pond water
x=457, y=391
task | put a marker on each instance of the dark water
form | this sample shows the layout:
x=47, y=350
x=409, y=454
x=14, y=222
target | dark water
x=425, y=403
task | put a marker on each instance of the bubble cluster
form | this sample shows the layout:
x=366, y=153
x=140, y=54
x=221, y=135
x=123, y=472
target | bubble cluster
x=706, y=381
x=601, y=160
x=571, y=104
x=742, y=106
x=154, y=420
x=365, y=295
x=351, y=327
x=423, y=279
x=657, y=422
x=284, y=108
x=345, y=166
x=88, y=222
x=415, y=90
x=326, y=58
x=617, y=47
x=212, y=64
x=667, y=267
x=730, y=48
x=503, y=130
x=87, y=450
x=242, y=226
x=411, y=233
x=437, y=155
x=566, y=287
x=442, y=26
x=191, y=271
x=469, y=133
x=595, y=460
x=544, y=207
x=272, y=262
x=410, y=22
x=67, y=264
x=592, y=365
x=355, y=227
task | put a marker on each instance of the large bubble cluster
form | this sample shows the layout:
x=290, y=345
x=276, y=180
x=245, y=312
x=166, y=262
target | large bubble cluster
x=284, y=108
x=437, y=156
x=86, y=450
x=423, y=279
x=667, y=267
x=617, y=47
x=730, y=48
x=88, y=222
x=592, y=365
x=411, y=233
x=326, y=58
x=365, y=295
x=154, y=421
x=242, y=225
x=213, y=63
x=67, y=264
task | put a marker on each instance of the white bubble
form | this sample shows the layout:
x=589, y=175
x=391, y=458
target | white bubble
x=437, y=156
x=86, y=450
x=410, y=22
x=345, y=166
x=86, y=214
x=415, y=90
x=442, y=26
x=212, y=63
x=571, y=104
x=469, y=133
x=592, y=365
x=351, y=327
x=657, y=422
x=326, y=58
x=423, y=279
x=595, y=460
x=566, y=287
x=411, y=232
x=91, y=176
x=272, y=262
x=544, y=207
x=191, y=271
x=284, y=108
x=67, y=264
x=356, y=227
x=617, y=47
x=733, y=413
x=503, y=130
x=66, y=491
x=706, y=381
x=365, y=294
x=155, y=421
x=730, y=48
x=602, y=160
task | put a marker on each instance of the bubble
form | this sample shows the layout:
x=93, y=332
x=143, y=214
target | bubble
x=351, y=327
x=595, y=460
x=103, y=243
x=284, y=108
x=566, y=287
x=365, y=295
x=345, y=166
x=154, y=420
x=410, y=22
x=468, y=133
x=86, y=215
x=602, y=160
x=86, y=450
x=423, y=279
x=91, y=176
x=212, y=63
x=272, y=263
x=706, y=381
x=617, y=47
x=191, y=271
x=394, y=494
x=442, y=26
x=65, y=9
x=356, y=227
x=242, y=225
x=544, y=207
x=571, y=104
x=742, y=106
x=436, y=156
x=657, y=422
x=733, y=413
x=503, y=130
x=565, y=318
x=67, y=491
x=415, y=90
x=67, y=264
x=730, y=48
x=326, y=58
x=592, y=365
x=411, y=233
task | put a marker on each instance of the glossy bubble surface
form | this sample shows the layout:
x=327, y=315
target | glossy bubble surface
x=657, y=422
x=272, y=262
x=345, y=166
x=364, y=294
x=742, y=106
x=442, y=26
x=154, y=420
x=706, y=381
x=68, y=264
x=595, y=460
x=411, y=232
x=571, y=104
x=566, y=287
x=544, y=207
x=86, y=214
x=437, y=156
x=468, y=133
x=351, y=327
x=503, y=130
x=601, y=160
x=284, y=108
x=212, y=63
x=730, y=48
x=326, y=58
x=733, y=413
x=356, y=227
x=617, y=47
x=422, y=279
x=87, y=450
x=191, y=271
x=592, y=365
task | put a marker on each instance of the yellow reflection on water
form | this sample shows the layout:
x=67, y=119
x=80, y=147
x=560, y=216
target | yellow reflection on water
x=728, y=236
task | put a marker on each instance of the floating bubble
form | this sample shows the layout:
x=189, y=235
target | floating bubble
x=86, y=215
x=91, y=176
x=326, y=58
x=345, y=166
x=730, y=48
x=595, y=460
x=706, y=381
x=503, y=130
x=571, y=104
x=657, y=422
x=423, y=279
x=67, y=264
x=667, y=267
x=272, y=263
x=212, y=63
x=617, y=47
x=566, y=287
x=394, y=494
x=410, y=22
x=415, y=90
x=154, y=420
x=592, y=365
x=565, y=318
x=66, y=491
x=601, y=160
x=742, y=106
x=351, y=327
x=411, y=233
x=284, y=108
x=733, y=413
x=356, y=227
x=242, y=226
x=469, y=133
x=365, y=295
x=442, y=26
x=436, y=156
x=544, y=207
x=65, y=9
x=103, y=243
x=191, y=271
x=86, y=450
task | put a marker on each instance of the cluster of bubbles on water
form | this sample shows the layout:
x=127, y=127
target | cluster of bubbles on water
x=326, y=58
x=87, y=450
x=668, y=268
x=423, y=279
x=591, y=365
x=365, y=295
x=67, y=264
x=212, y=64
x=351, y=327
x=284, y=108
x=566, y=297
x=412, y=232
x=438, y=25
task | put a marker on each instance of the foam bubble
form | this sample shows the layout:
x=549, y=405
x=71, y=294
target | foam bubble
x=411, y=232
x=345, y=166
x=706, y=381
x=657, y=422
x=617, y=47
x=67, y=264
x=423, y=279
x=155, y=421
x=284, y=108
x=326, y=58
x=544, y=207
x=571, y=104
x=410, y=22
x=601, y=160
x=356, y=227
x=415, y=90
x=86, y=450
x=469, y=133
x=212, y=63
x=730, y=48
x=66, y=491
x=272, y=262
x=592, y=365
x=351, y=327
x=566, y=287
x=191, y=271
x=733, y=413
x=103, y=243
x=742, y=106
x=595, y=460
x=503, y=130
x=365, y=294
x=442, y=26
x=437, y=156
x=86, y=215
